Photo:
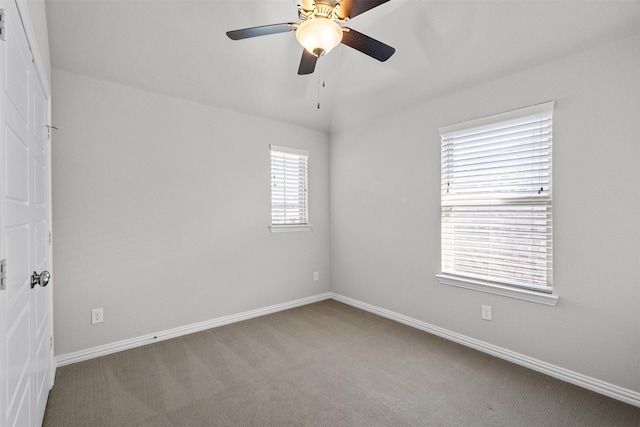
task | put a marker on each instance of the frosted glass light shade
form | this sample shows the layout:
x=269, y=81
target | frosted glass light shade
x=319, y=35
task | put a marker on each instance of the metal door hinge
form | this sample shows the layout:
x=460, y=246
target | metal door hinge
x=49, y=128
x=3, y=25
x=50, y=238
x=50, y=342
x=3, y=274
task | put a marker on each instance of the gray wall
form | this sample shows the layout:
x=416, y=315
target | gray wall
x=160, y=213
x=149, y=226
x=385, y=215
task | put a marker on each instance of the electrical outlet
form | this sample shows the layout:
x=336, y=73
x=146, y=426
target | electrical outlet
x=97, y=316
x=316, y=276
x=486, y=312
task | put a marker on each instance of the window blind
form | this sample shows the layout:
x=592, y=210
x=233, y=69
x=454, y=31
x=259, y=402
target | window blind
x=496, y=198
x=289, y=186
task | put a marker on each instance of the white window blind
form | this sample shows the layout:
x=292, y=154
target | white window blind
x=289, y=186
x=496, y=204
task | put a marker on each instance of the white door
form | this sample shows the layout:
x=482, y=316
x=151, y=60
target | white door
x=26, y=340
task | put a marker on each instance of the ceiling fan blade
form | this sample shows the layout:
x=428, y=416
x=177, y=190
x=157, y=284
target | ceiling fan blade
x=307, y=63
x=263, y=30
x=367, y=45
x=351, y=8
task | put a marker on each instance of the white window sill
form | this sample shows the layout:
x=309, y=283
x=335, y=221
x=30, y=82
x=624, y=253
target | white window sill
x=491, y=288
x=289, y=228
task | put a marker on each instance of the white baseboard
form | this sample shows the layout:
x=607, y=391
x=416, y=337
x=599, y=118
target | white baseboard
x=625, y=395
x=619, y=393
x=103, y=350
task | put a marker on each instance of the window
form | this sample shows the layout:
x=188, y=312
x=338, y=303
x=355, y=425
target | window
x=289, y=189
x=496, y=204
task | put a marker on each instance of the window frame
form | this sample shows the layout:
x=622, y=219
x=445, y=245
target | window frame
x=286, y=226
x=480, y=282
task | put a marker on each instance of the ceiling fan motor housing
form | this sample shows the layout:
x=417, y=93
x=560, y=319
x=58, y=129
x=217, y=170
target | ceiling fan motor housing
x=319, y=31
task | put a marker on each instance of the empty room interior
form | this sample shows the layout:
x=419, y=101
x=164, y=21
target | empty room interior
x=225, y=226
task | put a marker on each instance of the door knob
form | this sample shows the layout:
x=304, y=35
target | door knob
x=41, y=279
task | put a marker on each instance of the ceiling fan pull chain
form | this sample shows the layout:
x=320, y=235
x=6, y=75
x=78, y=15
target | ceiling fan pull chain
x=318, y=66
x=319, y=78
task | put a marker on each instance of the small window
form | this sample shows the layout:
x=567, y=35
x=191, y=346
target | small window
x=496, y=200
x=289, y=189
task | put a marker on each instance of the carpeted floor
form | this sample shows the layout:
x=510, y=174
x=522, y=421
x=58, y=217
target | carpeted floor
x=325, y=364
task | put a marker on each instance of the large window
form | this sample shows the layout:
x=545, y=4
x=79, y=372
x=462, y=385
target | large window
x=289, y=189
x=496, y=201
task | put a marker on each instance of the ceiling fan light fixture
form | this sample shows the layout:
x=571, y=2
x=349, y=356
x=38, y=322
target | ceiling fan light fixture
x=319, y=35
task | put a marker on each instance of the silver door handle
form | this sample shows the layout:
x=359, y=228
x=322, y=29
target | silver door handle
x=41, y=279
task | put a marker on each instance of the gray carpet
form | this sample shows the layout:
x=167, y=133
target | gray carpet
x=325, y=364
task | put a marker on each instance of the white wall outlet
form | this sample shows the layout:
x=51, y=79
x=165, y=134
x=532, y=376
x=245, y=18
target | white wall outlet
x=97, y=316
x=316, y=276
x=486, y=312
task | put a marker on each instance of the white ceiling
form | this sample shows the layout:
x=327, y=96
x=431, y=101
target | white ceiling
x=179, y=48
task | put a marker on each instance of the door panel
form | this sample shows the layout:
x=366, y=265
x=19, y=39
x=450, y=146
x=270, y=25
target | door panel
x=19, y=382
x=23, y=411
x=17, y=164
x=42, y=370
x=18, y=63
x=40, y=117
x=39, y=173
x=17, y=241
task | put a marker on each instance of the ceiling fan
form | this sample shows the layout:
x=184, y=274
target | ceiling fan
x=319, y=30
